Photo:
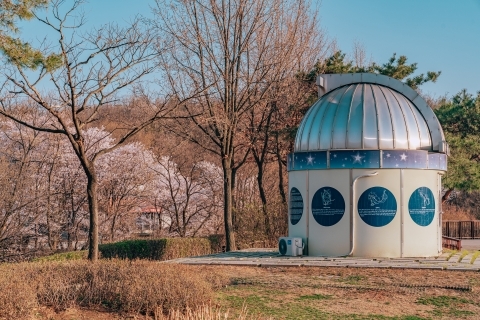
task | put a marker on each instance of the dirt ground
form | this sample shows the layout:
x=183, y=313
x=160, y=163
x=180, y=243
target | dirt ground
x=333, y=293
x=314, y=293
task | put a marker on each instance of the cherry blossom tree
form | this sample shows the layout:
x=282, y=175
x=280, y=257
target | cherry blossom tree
x=88, y=71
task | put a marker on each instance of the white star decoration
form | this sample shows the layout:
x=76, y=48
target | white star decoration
x=403, y=157
x=310, y=159
x=388, y=155
x=334, y=155
x=357, y=158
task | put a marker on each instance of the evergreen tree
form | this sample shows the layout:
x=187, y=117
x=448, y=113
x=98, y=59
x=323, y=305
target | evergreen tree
x=395, y=67
x=460, y=119
x=15, y=50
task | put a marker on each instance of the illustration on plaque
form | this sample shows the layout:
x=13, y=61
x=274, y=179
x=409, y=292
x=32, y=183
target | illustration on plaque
x=421, y=206
x=425, y=198
x=374, y=199
x=328, y=206
x=296, y=206
x=327, y=197
x=377, y=206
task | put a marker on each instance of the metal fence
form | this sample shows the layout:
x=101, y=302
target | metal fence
x=451, y=243
x=469, y=229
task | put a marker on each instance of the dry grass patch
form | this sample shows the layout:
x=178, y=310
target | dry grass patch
x=136, y=287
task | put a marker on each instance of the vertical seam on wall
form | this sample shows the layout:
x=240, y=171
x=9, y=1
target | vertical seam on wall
x=402, y=226
x=363, y=116
x=351, y=207
x=308, y=210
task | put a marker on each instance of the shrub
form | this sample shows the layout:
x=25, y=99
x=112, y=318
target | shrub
x=17, y=296
x=159, y=249
x=64, y=256
x=206, y=312
x=126, y=286
x=118, y=285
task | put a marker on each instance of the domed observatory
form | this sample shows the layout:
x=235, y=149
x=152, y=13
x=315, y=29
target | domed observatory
x=365, y=174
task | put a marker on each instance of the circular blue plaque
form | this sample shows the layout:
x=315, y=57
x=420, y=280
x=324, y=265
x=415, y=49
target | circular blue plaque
x=296, y=206
x=377, y=206
x=328, y=206
x=421, y=206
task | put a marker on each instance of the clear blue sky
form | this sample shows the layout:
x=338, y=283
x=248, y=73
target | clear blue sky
x=437, y=34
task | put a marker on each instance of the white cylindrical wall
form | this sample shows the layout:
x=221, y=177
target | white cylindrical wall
x=421, y=240
x=298, y=180
x=329, y=240
x=406, y=234
x=373, y=241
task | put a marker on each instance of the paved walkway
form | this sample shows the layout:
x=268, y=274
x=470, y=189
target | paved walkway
x=471, y=244
x=271, y=258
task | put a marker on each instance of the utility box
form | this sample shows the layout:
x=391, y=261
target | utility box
x=288, y=246
x=365, y=174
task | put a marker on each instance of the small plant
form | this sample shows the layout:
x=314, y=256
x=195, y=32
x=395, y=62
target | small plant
x=352, y=279
x=441, y=301
x=446, y=305
x=206, y=312
x=315, y=297
x=463, y=254
x=475, y=256
x=450, y=252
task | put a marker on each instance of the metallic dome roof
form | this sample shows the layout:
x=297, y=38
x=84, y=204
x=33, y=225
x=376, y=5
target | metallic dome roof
x=361, y=115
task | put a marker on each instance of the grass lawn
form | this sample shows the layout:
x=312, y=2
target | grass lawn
x=343, y=293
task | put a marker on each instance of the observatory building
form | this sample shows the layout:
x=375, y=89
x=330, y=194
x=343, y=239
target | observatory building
x=365, y=174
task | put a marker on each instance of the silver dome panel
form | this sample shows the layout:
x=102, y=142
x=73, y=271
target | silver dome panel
x=365, y=116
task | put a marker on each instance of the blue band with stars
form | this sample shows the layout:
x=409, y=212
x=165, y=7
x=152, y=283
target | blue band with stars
x=366, y=159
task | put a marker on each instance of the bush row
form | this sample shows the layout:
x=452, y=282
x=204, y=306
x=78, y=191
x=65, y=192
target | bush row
x=157, y=249
x=119, y=285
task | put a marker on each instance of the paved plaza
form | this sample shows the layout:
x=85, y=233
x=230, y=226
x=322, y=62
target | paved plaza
x=462, y=260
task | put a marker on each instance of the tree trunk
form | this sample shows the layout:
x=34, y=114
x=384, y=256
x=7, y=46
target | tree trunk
x=281, y=187
x=93, y=209
x=112, y=228
x=228, y=205
x=263, y=196
x=447, y=194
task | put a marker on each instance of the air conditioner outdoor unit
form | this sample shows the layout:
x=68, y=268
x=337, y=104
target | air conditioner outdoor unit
x=290, y=246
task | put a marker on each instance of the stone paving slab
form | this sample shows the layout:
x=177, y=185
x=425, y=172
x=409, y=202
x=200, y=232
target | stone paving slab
x=271, y=258
x=467, y=258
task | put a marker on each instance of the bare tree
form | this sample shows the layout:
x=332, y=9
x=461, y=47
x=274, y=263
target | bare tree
x=236, y=49
x=87, y=71
x=125, y=180
x=188, y=194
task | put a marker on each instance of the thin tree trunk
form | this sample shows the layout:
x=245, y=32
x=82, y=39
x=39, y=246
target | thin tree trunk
x=228, y=205
x=263, y=196
x=93, y=209
x=112, y=228
x=281, y=183
x=447, y=194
